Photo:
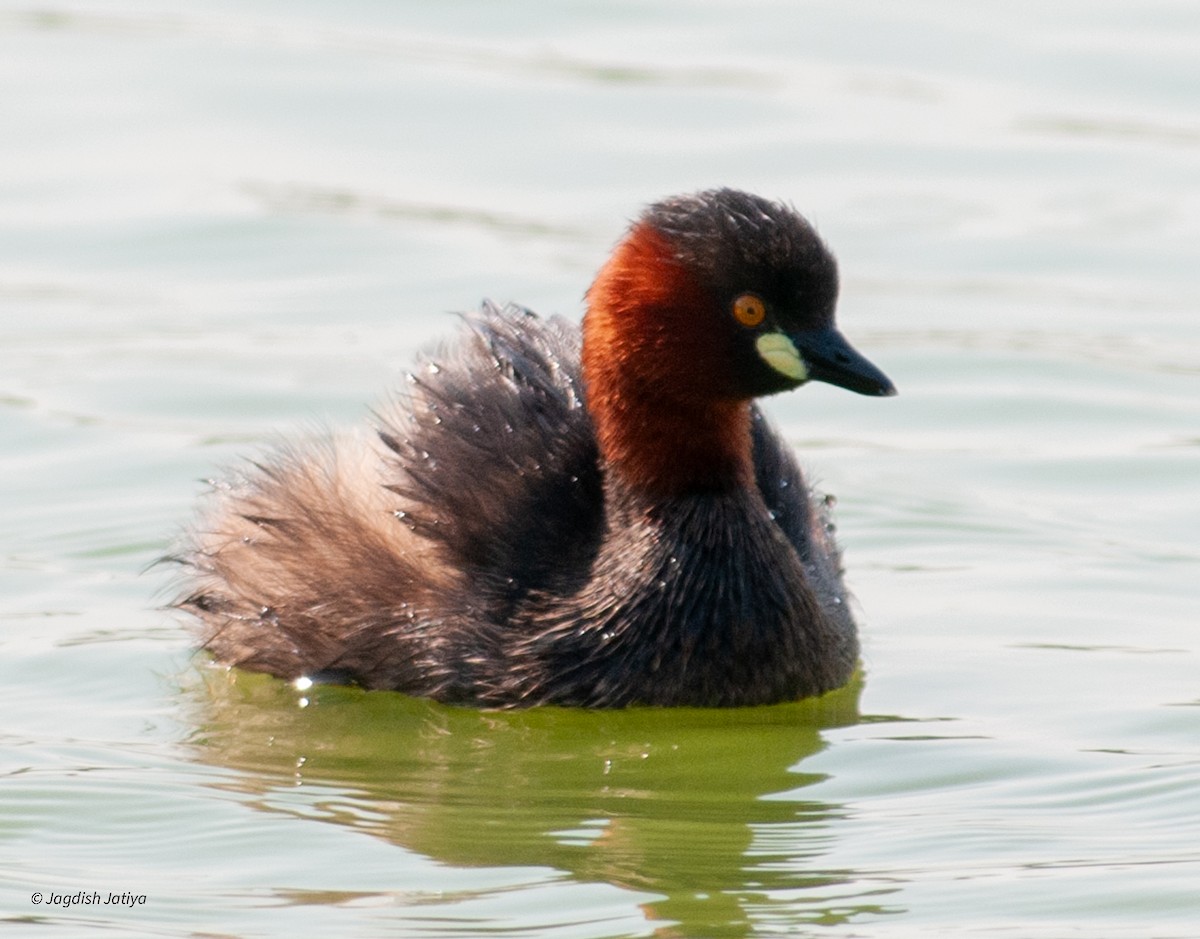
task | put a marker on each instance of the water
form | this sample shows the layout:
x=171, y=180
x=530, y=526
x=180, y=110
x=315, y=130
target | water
x=219, y=224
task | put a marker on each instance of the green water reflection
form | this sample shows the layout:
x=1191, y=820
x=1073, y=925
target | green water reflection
x=703, y=809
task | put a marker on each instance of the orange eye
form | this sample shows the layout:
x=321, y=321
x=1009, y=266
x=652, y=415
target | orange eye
x=749, y=310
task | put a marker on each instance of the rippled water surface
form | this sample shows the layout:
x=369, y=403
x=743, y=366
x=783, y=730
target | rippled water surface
x=223, y=221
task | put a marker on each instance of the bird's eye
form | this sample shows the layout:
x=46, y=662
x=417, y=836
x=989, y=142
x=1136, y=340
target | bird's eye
x=749, y=310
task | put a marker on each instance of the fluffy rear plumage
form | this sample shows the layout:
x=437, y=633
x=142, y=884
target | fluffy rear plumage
x=352, y=557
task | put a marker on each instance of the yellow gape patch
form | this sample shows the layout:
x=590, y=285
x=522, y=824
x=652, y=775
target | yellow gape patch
x=781, y=354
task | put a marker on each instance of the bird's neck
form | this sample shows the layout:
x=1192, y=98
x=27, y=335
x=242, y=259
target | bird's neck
x=664, y=451
x=649, y=378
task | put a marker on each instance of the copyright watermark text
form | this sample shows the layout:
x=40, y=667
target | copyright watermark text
x=88, y=898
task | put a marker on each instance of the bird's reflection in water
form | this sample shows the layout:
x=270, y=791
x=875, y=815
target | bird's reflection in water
x=704, y=809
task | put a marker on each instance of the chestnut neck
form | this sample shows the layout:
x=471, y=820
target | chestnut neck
x=651, y=376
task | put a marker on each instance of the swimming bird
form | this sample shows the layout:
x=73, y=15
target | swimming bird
x=595, y=517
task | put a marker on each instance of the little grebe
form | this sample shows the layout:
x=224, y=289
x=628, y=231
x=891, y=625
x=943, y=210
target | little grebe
x=598, y=520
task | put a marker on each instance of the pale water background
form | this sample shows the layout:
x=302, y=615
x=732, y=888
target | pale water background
x=221, y=221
